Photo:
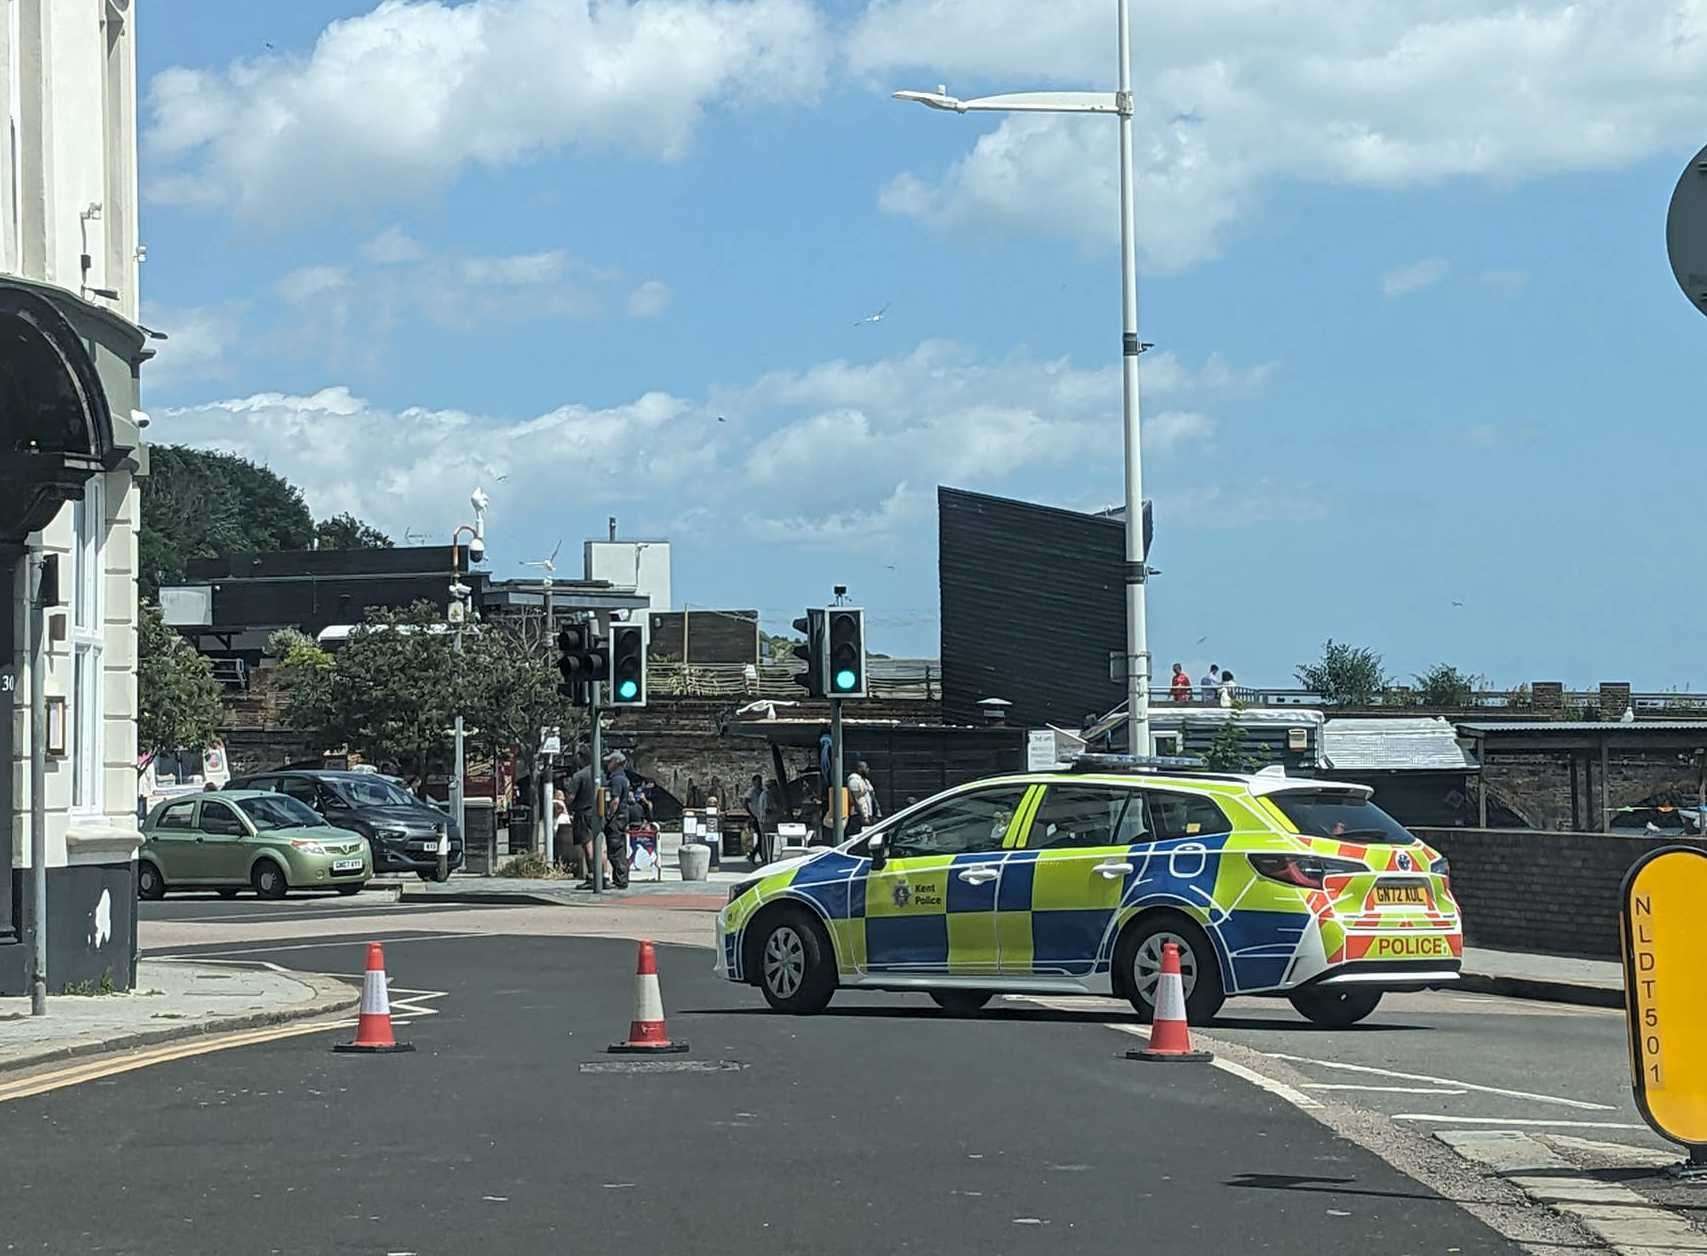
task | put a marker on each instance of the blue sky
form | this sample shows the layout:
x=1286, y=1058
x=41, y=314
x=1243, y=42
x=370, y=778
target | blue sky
x=1417, y=339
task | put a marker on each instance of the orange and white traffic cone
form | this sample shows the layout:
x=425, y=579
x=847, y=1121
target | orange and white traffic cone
x=1170, y=1035
x=373, y=1025
x=646, y=1032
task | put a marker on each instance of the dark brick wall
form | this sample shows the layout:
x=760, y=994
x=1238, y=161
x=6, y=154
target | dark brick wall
x=1532, y=891
x=1538, y=787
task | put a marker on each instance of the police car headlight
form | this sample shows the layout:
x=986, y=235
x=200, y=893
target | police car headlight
x=740, y=888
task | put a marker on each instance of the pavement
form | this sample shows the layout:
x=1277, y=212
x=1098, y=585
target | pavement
x=172, y=1000
x=881, y=1125
x=1553, y=978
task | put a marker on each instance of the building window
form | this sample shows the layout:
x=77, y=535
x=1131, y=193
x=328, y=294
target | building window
x=88, y=526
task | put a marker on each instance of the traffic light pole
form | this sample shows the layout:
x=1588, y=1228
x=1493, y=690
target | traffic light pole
x=838, y=819
x=599, y=799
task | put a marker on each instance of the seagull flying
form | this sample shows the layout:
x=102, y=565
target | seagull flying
x=1458, y=603
x=874, y=318
x=721, y=419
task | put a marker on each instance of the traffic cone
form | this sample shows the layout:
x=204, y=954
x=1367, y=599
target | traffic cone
x=1170, y=1035
x=373, y=1025
x=646, y=1032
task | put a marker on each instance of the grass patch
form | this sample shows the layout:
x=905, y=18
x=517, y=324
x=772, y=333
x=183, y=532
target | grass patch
x=92, y=989
x=532, y=866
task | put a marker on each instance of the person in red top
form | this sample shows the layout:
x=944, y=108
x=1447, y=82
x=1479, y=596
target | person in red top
x=1179, y=688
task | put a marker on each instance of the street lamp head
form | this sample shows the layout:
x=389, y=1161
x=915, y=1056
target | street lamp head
x=939, y=99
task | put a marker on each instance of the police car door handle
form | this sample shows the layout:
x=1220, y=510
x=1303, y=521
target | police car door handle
x=1112, y=870
x=978, y=876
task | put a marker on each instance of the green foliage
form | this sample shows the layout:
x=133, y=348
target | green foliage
x=779, y=647
x=391, y=691
x=1345, y=674
x=533, y=867
x=305, y=676
x=346, y=532
x=1445, y=686
x=510, y=687
x=1227, y=752
x=178, y=699
x=197, y=503
x=92, y=989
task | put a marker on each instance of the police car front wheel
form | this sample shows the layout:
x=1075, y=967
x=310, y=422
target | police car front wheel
x=797, y=970
x=1138, y=959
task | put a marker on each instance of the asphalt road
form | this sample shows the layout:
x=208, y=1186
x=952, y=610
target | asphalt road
x=881, y=1126
x=209, y=908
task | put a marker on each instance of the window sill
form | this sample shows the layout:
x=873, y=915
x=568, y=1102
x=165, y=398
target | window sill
x=99, y=839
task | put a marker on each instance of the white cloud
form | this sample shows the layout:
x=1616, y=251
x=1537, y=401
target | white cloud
x=1414, y=277
x=649, y=300
x=391, y=246
x=197, y=345
x=519, y=271
x=1233, y=94
x=309, y=282
x=816, y=456
x=400, y=100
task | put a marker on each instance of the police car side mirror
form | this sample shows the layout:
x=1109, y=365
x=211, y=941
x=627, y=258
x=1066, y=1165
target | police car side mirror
x=877, y=849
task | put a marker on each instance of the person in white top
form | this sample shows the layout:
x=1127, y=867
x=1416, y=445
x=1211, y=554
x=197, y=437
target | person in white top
x=1226, y=689
x=862, y=796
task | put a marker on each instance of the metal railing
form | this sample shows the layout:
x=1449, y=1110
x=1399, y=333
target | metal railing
x=917, y=682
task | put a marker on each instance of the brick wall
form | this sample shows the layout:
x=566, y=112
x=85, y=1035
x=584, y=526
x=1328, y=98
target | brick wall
x=1538, y=786
x=1532, y=891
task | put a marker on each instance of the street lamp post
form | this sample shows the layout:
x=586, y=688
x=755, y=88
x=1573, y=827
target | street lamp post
x=459, y=611
x=1118, y=103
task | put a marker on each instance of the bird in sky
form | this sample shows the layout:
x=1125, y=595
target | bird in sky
x=721, y=419
x=875, y=318
x=1201, y=640
x=1458, y=603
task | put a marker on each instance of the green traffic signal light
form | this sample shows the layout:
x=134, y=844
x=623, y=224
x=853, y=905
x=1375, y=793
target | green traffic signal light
x=628, y=690
x=846, y=679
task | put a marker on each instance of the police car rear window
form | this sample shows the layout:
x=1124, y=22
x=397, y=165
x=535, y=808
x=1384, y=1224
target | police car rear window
x=1348, y=817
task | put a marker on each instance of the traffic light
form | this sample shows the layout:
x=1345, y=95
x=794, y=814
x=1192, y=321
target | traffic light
x=811, y=652
x=844, y=656
x=628, y=665
x=582, y=660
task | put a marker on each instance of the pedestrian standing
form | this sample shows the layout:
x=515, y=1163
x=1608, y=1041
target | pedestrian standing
x=1225, y=694
x=1211, y=686
x=756, y=805
x=619, y=804
x=582, y=802
x=1179, y=687
x=862, y=797
x=563, y=825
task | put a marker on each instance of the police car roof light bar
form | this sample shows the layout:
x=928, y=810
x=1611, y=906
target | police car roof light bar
x=1136, y=763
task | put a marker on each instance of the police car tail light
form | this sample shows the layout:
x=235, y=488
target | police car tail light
x=1442, y=869
x=1305, y=871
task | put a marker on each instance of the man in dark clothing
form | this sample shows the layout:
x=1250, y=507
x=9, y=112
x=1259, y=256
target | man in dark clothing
x=619, y=802
x=581, y=804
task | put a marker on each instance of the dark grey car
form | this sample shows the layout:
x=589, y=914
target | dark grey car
x=402, y=831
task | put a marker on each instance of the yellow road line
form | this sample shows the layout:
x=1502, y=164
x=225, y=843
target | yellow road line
x=108, y=1066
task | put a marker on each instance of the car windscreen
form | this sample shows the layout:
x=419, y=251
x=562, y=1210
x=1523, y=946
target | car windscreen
x=1347, y=816
x=374, y=791
x=275, y=811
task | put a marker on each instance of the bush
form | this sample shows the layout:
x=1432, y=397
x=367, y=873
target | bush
x=531, y=866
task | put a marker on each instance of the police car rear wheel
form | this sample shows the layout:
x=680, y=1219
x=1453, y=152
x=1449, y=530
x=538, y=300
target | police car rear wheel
x=796, y=972
x=1334, y=1008
x=1139, y=959
x=961, y=1002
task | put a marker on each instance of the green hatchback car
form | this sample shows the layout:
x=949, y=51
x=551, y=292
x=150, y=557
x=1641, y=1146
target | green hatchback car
x=247, y=838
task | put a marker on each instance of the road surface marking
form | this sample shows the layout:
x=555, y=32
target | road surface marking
x=1277, y=1088
x=108, y=1066
x=340, y=940
x=1384, y=1090
x=1443, y=1081
x=1514, y=1120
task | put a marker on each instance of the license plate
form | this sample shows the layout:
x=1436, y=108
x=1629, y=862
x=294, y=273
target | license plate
x=1400, y=896
x=346, y=865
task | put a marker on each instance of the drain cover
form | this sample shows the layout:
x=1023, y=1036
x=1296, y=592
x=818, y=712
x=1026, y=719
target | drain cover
x=663, y=1066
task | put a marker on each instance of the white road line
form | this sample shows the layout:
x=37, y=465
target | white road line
x=318, y=946
x=1277, y=1088
x=1384, y=1090
x=1443, y=1081
x=1514, y=1120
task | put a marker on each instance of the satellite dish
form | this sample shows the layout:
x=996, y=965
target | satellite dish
x=1686, y=231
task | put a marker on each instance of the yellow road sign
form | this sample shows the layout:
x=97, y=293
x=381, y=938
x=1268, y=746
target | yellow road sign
x=1665, y=990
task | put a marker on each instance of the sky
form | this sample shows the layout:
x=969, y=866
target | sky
x=1421, y=377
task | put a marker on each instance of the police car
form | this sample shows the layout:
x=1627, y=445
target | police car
x=1071, y=882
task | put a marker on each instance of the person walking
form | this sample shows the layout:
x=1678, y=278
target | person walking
x=755, y=803
x=1179, y=687
x=582, y=802
x=564, y=826
x=1210, y=692
x=619, y=803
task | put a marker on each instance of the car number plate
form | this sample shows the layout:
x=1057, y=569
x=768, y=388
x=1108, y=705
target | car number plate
x=346, y=865
x=1400, y=896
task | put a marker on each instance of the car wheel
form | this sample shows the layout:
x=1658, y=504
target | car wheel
x=1332, y=1007
x=269, y=880
x=229, y=891
x=434, y=874
x=425, y=876
x=349, y=890
x=149, y=883
x=797, y=968
x=961, y=1002
x=1138, y=960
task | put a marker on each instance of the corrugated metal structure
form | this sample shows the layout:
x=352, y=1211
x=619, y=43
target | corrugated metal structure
x=712, y=636
x=1428, y=744
x=1032, y=605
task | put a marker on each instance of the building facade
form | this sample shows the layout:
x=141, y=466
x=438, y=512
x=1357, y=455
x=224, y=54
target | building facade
x=71, y=451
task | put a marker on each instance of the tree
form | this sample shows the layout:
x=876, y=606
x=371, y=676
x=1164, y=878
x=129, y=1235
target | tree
x=1345, y=674
x=305, y=675
x=1445, y=686
x=510, y=688
x=1227, y=752
x=395, y=686
x=197, y=503
x=346, y=532
x=178, y=700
